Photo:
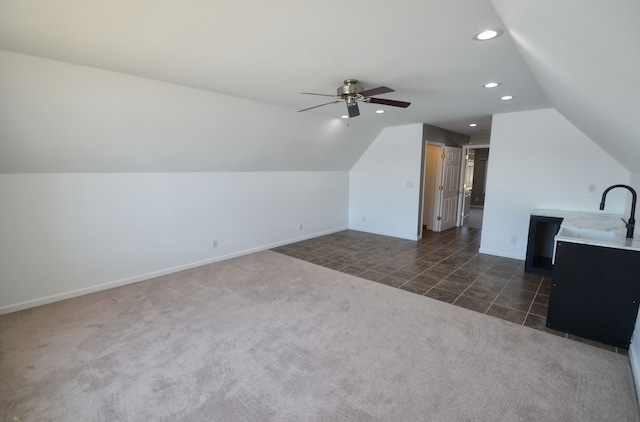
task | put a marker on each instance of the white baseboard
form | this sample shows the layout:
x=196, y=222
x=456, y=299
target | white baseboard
x=383, y=233
x=142, y=277
x=503, y=254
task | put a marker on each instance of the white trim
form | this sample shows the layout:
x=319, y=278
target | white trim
x=461, y=179
x=501, y=253
x=142, y=277
x=437, y=200
x=383, y=233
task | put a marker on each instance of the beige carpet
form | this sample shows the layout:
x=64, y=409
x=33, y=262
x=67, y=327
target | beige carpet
x=267, y=337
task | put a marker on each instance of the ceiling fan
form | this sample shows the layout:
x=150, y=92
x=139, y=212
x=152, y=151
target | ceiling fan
x=352, y=93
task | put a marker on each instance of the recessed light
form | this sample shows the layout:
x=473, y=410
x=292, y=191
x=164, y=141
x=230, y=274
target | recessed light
x=487, y=34
x=379, y=111
x=345, y=116
x=473, y=124
x=506, y=97
x=492, y=84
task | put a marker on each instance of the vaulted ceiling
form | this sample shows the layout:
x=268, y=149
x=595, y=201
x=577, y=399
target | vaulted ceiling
x=550, y=55
x=585, y=55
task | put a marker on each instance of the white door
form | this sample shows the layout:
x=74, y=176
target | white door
x=468, y=186
x=449, y=188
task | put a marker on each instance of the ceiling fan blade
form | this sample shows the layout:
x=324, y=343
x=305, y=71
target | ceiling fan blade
x=353, y=110
x=393, y=103
x=330, y=102
x=376, y=91
x=313, y=93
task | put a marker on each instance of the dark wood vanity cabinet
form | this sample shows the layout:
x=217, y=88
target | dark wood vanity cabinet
x=595, y=292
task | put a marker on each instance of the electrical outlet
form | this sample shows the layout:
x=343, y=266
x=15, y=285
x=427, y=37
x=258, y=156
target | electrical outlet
x=215, y=243
x=592, y=188
x=513, y=239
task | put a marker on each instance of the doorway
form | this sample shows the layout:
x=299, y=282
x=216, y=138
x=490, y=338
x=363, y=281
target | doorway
x=429, y=211
x=441, y=187
x=467, y=185
x=474, y=176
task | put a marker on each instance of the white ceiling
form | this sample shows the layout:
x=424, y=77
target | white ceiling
x=269, y=52
x=586, y=56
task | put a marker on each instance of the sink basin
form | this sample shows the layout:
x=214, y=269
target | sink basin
x=588, y=234
x=582, y=235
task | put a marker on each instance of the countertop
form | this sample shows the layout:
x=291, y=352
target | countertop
x=594, y=221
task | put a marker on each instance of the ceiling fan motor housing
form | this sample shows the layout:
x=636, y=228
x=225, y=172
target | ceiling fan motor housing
x=350, y=88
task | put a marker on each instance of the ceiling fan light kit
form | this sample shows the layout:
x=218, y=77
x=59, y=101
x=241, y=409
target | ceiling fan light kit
x=352, y=93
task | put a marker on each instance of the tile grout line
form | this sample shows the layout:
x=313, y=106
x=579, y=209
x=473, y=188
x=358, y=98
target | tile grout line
x=453, y=253
x=533, y=300
x=469, y=260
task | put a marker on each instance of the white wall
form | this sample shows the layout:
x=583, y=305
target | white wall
x=540, y=160
x=384, y=185
x=634, y=348
x=107, y=178
x=634, y=182
x=634, y=355
x=62, y=118
x=68, y=234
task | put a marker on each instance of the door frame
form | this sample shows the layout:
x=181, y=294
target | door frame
x=463, y=175
x=437, y=199
x=465, y=202
x=423, y=180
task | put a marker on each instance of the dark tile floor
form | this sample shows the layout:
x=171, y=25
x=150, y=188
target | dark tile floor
x=445, y=266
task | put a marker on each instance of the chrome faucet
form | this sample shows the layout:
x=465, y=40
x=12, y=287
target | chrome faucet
x=632, y=221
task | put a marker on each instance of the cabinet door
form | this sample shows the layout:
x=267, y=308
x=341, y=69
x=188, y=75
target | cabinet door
x=595, y=292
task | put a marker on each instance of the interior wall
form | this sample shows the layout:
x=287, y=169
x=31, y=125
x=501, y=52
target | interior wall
x=68, y=234
x=108, y=179
x=634, y=182
x=446, y=137
x=384, y=184
x=540, y=160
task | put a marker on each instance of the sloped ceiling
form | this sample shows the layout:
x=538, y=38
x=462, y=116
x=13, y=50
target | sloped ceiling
x=62, y=118
x=267, y=53
x=586, y=56
x=271, y=51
